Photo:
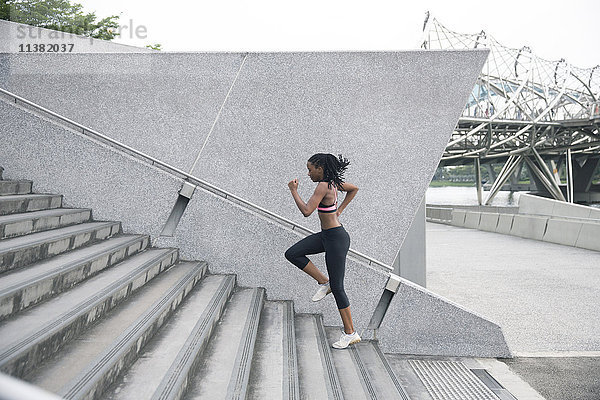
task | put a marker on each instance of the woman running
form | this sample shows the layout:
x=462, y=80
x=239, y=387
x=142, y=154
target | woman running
x=333, y=239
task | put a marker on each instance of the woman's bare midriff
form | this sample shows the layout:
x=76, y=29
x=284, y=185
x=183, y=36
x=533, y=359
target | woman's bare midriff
x=329, y=220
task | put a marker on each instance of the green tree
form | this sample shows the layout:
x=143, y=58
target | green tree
x=59, y=15
x=156, y=46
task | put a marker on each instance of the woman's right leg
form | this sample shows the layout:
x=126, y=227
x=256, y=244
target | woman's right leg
x=296, y=254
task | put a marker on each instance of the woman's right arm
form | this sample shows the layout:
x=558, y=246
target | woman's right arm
x=351, y=191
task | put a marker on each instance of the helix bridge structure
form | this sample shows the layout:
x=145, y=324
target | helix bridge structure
x=525, y=112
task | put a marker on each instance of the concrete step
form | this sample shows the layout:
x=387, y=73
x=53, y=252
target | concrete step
x=23, y=250
x=15, y=187
x=26, y=287
x=381, y=381
x=363, y=371
x=171, y=358
x=316, y=370
x=274, y=372
x=19, y=203
x=13, y=225
x=224, y=368
x=35, y=334
x=88, y=365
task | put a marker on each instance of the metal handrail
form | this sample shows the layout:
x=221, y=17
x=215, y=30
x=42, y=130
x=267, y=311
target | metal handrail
x=195, y=180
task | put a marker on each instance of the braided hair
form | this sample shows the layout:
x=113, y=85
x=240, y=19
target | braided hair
x=333, y=168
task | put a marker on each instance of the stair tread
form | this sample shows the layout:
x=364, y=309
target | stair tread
x=384, y=383
x=215, y=368
x=13, y=197
x=146, y=374
x=266, y=379
x=39, y=214
x=32, y=239
x=349, y=376
x=40, y=269
x=27, y=322
x=85, y=349
x=311, y=369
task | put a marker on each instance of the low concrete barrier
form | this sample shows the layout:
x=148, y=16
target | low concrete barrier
x=589, y=236
x=562, y=209
x=529, y=226
x=472, y=219
x=505, y=222
x=489, y=221
x=562, y=231
x=531, y=204
x=458, y=217
x=432, y=213
x=438, y=214
x=595, y=213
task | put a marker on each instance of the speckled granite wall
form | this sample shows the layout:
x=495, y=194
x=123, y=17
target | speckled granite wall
x=15, y=38
x=390, y=113
x=233, y=239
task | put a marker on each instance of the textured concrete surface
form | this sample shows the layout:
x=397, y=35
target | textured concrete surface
x=234, y=239
x=488, y=221
x=472, y=219
x=16, y=37
x=458, y=217
x=410, y=262
x=561, y=231
x=505, y=222
x=421, y=322
x=543, y=295
x=589, y=237
x=531, y=204
x=415, y=388
x=390, y=113
x=86, y=173
x=529, y=227
x=560, y=378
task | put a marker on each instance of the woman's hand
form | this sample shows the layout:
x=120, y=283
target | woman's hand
x=338, y=212
x=293, y=184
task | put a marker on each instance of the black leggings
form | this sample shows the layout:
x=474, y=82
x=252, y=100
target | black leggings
x=335, y=242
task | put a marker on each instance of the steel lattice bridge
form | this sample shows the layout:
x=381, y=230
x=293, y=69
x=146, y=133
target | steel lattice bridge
x=525, y=110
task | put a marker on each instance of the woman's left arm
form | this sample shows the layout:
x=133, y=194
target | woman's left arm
x=351, y=191
x=307, y=208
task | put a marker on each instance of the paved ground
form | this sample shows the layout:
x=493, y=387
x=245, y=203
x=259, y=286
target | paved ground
x=545, y=296
x=563, y=378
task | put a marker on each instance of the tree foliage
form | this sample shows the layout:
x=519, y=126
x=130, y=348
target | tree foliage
x=59, y=15
x=156, y=46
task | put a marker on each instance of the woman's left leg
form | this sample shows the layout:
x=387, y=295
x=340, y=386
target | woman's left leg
x=337, y=243
x=296, y=254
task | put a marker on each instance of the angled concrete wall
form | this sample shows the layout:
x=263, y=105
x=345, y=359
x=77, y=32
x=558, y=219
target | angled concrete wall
x=231, y=238
x=18, y=38
x=390, y=113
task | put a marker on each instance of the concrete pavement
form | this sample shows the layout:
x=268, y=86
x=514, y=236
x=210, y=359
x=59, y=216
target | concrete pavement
x=545, y=296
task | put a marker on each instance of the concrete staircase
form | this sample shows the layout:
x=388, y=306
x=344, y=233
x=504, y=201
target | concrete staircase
x=87, y=311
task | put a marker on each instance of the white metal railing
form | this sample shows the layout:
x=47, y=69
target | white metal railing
x=190, y=178
x=15, y=389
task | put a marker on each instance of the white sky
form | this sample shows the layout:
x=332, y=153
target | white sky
x=553, y=29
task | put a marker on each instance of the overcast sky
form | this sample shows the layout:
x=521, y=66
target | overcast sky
x=553, y=29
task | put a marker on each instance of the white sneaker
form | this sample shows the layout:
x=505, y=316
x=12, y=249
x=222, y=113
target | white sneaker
x=323, y=291
x=346, y=340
